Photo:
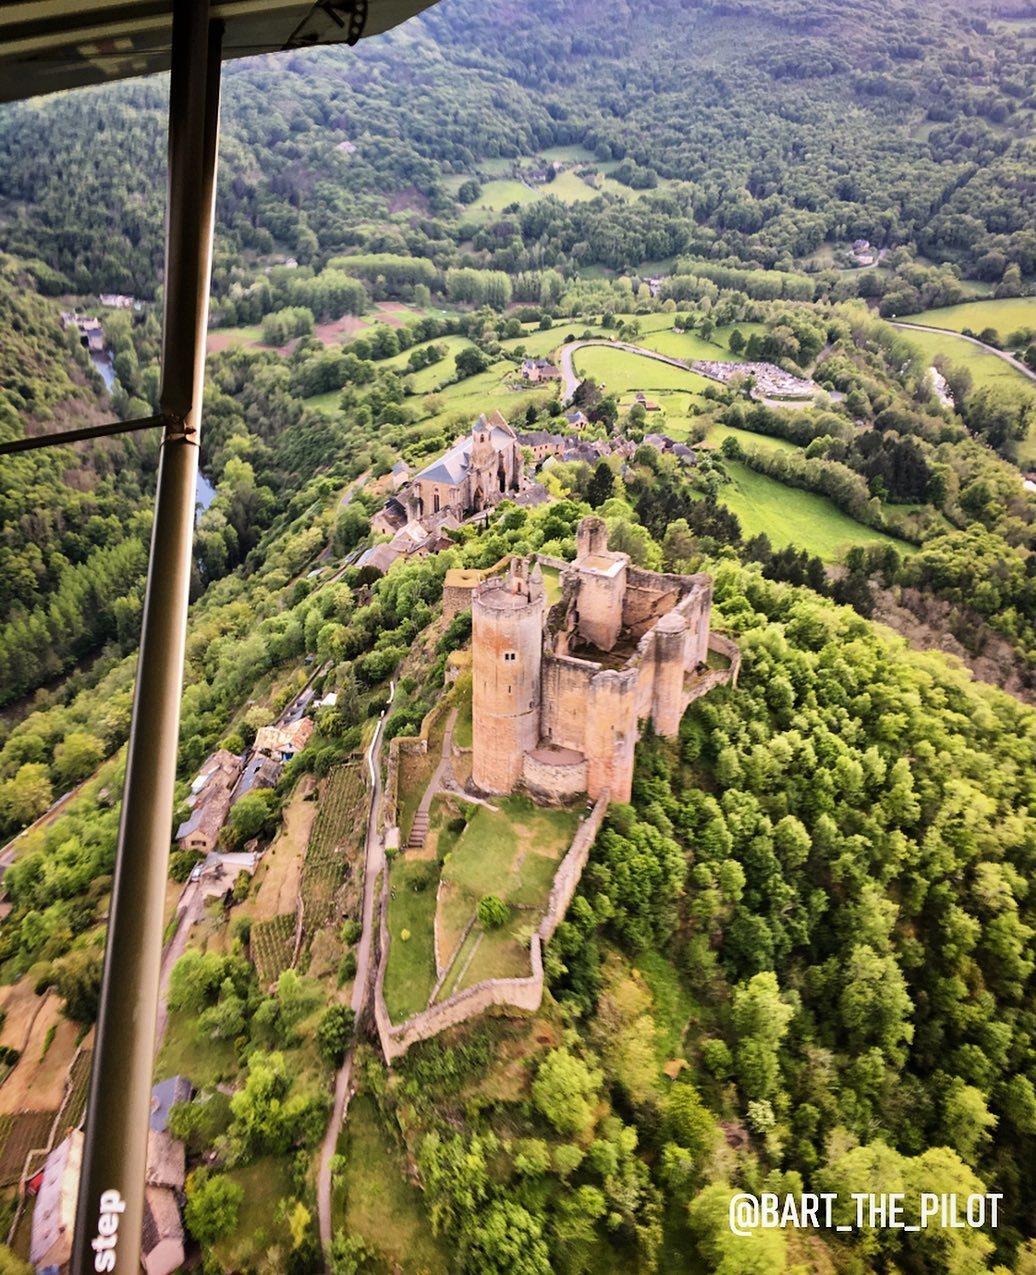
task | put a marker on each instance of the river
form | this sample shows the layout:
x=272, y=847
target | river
x=103, y=363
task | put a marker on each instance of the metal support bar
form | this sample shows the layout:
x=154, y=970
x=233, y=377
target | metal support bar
x=111, y=1189
x=79, y=435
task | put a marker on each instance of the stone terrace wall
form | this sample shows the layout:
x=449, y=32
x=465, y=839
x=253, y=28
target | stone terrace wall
x=525, y=994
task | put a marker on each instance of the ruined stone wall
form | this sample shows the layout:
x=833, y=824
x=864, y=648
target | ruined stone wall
x=600, y=607
x=522, y=994
x=553, y=782
x=565, y=699
x=456, y=598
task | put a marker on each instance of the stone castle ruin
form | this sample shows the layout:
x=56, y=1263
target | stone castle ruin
x=558, y=693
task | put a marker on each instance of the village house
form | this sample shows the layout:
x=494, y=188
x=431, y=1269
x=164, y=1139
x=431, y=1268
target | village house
x=282, y=743
x=56, y=1189
x=543, y=444
x=536, y=370
x=209, y=800
x=399, y=474
x=576, y=419
x=117, y=301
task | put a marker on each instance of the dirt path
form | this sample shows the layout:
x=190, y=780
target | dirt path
x=1017, y=364
x=374, y=865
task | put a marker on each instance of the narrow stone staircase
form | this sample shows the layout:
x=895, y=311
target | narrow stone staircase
x=418, y=831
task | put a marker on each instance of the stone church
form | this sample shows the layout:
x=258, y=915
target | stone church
x=480, y=470
x=558, y=694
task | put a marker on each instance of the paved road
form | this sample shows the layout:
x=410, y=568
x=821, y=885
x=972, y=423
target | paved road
x=374, y=856
x=569, y=379
x=1017, y=364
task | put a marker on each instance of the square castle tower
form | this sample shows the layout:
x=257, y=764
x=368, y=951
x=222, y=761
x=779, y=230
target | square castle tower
x=558, y=694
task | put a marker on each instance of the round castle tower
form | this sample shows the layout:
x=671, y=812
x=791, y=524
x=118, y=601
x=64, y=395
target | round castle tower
x=507, y=617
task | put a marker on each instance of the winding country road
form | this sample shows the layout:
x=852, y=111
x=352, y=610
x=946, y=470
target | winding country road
x=569, y=379
x=374, y=862
x=1017, y=364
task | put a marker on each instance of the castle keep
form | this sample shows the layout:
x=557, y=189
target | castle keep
x=557, y=693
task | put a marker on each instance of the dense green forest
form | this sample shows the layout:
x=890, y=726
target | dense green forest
x=766, y=131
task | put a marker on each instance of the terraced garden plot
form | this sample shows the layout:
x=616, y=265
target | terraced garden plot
x=272, y=946
x=73, y=1107
x=334, y=841
x=19, y=1134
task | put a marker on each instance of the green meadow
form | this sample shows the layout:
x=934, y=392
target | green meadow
x=790, y=516
x=1006, y=315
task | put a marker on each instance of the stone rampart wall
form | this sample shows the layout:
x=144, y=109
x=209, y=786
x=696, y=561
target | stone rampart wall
x=522, y=994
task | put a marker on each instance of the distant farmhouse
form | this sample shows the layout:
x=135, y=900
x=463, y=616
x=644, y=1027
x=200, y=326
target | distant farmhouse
x=209, y=800
x=536, y=370
x=557, y=694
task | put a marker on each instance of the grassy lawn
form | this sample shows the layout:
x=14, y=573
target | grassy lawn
x=626, y=373
x=265, y=1184
x=410, y=975
x=498, y=195
x=376, y=1202
x=492, y=851
x=513, y=853
x=790, y=516
x=205, y=1062
x=762, y=442
x=570, y=189
x=1005, y=315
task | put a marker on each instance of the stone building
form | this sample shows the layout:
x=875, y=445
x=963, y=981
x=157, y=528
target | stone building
x=479, y=471
x=558, y=693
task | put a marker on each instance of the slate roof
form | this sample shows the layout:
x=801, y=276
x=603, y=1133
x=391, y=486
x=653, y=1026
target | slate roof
x=166, y=1094
x=452, y=467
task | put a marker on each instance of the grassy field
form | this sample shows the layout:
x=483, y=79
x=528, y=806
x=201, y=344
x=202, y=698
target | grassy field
x=265, y=1184
x=790, y=516
x=1006, y=315
x=625, y=373
x=762, y=442
x=186, y=1052
x=410, y=975
x=486, y=392
x=376, y=1202
x=498, y=195
x=512, y=852
x=986, y=368
x=570, y=189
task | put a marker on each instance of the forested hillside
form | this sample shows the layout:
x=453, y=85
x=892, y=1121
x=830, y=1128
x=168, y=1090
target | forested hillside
x=785, y=125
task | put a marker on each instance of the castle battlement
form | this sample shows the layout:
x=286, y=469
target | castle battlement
x=558, y=696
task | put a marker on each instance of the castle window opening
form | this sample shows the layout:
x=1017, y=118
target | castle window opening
x=435, y=503
x=510, y=655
